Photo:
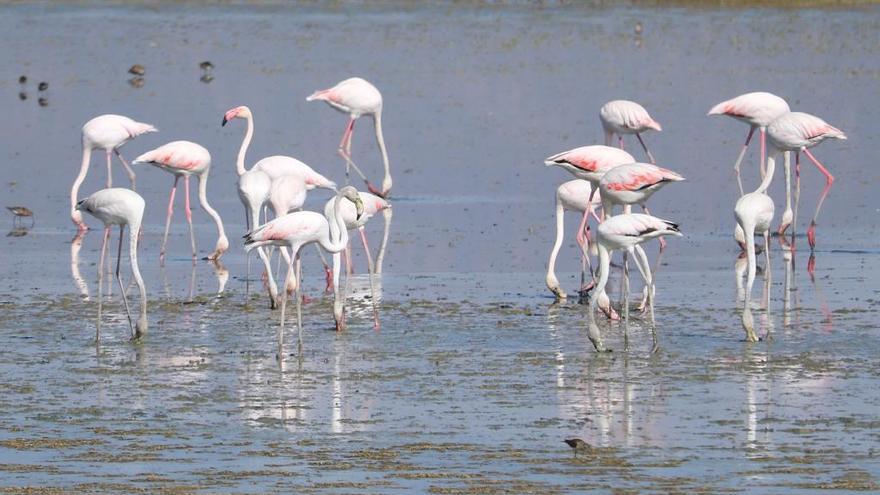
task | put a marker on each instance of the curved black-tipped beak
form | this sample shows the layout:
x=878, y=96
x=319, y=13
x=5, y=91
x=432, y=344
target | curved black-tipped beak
x=224, y=121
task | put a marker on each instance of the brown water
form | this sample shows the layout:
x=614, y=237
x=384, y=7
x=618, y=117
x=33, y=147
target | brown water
x=475, y=377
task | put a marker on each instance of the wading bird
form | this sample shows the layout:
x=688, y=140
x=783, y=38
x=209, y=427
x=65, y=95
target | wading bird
x=297, y=229
x=357, y=97
x=624, y=232
x=119, y=206
x=626, y=117
x=183, y=159
x=109, y=133
x=797, y=132
x=754, y=212
x=758, y=110
x=354, y=219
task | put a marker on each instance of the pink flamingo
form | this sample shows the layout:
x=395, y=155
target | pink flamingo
x=298, y=229
x=798, y=131
x=109, y=133
x=183, y=159
x=354, y=219
x=574, y=196
x=119, y=206
x=624, y=232
x=357, y=97
x=754, y=212
x=626, y=117
x=758, y=110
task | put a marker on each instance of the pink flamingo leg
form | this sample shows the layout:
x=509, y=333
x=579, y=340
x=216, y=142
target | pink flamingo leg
x=345, y=152
x=583, y=240
x=168, y=219
x=739, y=159
x=109, y=171
x=128, y=169
x=188, y=211
x=829, y=180
x=620, y=141
x=645, y=147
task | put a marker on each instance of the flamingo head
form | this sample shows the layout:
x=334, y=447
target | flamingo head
x=241, y=112
x=222, y=246
x=351, y=194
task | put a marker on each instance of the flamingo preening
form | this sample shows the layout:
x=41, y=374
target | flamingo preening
x=109, y=133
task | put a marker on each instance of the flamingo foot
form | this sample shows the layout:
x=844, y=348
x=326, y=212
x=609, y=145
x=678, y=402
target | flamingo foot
x=81, y=228
x=811, y=235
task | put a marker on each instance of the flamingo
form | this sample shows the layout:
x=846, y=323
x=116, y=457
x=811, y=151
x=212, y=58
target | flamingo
x=798, y=131
x=626, y=117
x=357, y=97
x=757, y=109
x=119, y=206
x=624, y=232
x=630, y=184
x=574, y=196
x=109, y=133
x=754, y=212
x=183, y=159
x=298, y=229
x=353, y=219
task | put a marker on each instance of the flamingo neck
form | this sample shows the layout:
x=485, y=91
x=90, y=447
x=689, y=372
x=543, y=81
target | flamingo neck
x=552, y=281
x=768, y=176
x=203, y=200
x=74, y=191
x=245, y=144
x=386, y=182
x=133, y=230
x=341, y=233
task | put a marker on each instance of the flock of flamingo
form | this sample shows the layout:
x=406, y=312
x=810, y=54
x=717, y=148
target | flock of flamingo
x=605, y=177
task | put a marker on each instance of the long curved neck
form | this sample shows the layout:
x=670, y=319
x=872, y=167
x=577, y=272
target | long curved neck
x=377, y=118
x=768, y=177
x=560, y=227
x=203, y=200
x=245, y=143
x=133, y=230
x=83, y=170
x=341, y=233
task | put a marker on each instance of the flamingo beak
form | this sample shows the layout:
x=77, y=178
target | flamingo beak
x=359, y=206
x=225, y=120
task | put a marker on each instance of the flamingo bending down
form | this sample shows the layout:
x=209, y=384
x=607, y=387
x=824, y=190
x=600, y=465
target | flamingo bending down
x=754, y=212
x=624, y=232
x=574, y=196
x=626, y=117
x=757, y=109
x=183, y=159
x=357, y=97
x=354, y=219
x=798, y=131
x=297, y=229
x=119, y=206
x=109, y=133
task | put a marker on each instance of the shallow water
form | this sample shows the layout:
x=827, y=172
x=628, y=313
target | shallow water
x=475, y=377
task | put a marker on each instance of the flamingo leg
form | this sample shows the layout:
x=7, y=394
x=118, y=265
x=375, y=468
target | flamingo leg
x=739, y=159
x=101, y=282
x=787, y=214
x=299, y=316
x=620, y=141
x=371, y=271
x=284, y=308
x=829, y=180
x=797, y=192
x=168, y=220
x=645, y=147
x=328, y=272
x=624, y=283
x=128, y=169
x=188, y=212
x=119, y=279
x=583, y=240
x=109, y=170
x=345, y=152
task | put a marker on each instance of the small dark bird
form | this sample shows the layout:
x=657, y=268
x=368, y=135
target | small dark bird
x=137, y=69
x=43, y=86
x=22, y=80
x=20, y=212
x=22, y=96
x=206, y=66
x=136, y=82
x=577, y=444
x=43, y=101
